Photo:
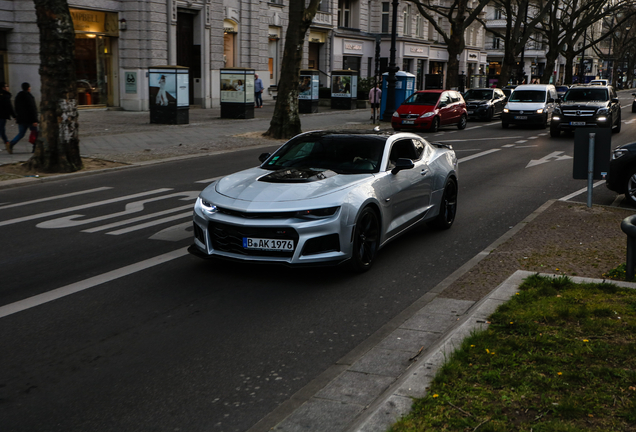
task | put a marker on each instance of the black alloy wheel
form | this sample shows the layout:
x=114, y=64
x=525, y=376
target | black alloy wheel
x=448, y=207
x=630, y=188
x=490, y=114
x=366, y=238
x=435, y=125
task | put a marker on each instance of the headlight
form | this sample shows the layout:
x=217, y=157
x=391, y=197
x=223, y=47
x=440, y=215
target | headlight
x=557, y=111
x=206, y=206
x=428, y=114
x=395, y=114
x=506, y=110
x=601, y=118
x=619, y=152
x=317, y=213
x=540, y=111
x=602, y=111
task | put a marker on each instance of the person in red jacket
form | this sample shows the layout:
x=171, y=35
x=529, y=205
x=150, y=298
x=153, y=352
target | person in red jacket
x=27, y=115
x=6, y=110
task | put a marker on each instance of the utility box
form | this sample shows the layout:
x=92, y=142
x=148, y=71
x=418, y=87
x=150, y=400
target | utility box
x=308, y=96
x=404, y=87
x=237, y=93
x=169, y=93
x=344, y=89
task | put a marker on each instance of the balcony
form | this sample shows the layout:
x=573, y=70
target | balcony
x=322, y=19
x=496, y=23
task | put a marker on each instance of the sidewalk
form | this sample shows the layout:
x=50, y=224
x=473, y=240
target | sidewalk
x=129, y=136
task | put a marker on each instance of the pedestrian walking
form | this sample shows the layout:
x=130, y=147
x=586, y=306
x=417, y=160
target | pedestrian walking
x=258, y=91
x=27, y=115
x=6, y=111
x=375, y=96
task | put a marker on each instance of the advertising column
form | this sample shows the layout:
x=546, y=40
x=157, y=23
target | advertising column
x=237, y=93
x=344, y=89
x=308, y=96
x=168, y=92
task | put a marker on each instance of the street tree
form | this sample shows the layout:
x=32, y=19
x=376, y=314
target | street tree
x=57, y=146
x=459, y=14
x=522, y=17
x=285, y=122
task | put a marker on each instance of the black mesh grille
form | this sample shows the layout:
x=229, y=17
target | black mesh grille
x=254, y=215
x=229, y=238
x=198, y=233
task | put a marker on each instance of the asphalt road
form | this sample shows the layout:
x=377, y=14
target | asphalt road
x=107, y=324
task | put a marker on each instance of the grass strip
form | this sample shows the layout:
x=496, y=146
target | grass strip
x=559, y=356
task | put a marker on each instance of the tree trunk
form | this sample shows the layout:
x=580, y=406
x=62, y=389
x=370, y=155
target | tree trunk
x=507, y=64
x=57, y=147
x=550, y=60
x=569, y=63
x=455, y=48
x=285, y=122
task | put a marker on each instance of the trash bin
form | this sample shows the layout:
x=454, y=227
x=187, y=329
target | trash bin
x=168, y=90
x=237, y=93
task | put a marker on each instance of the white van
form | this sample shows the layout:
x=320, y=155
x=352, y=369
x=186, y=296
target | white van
x=602, y=82
x=530, y=104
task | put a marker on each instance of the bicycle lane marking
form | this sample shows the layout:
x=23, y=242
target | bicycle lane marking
x=92, y=282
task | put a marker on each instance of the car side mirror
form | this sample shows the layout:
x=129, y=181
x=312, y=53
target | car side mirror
x=402, y=164
x=551, y=100
x=264, y=156
x=614, y=100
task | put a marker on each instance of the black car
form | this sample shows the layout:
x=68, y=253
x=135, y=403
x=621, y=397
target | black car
x=634, y=103
x=484, y=103
x=622, y=172
x=587, y=106
x=562, y=90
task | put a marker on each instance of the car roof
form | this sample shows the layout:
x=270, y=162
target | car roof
x=483, y=88
x=431, y=91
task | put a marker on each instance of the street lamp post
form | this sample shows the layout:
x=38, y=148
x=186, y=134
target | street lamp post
x=391, y=79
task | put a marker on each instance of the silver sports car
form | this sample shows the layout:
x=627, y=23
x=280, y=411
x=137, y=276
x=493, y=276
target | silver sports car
x=327, y=197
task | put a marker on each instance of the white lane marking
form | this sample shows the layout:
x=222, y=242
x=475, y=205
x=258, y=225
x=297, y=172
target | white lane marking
x=82, y=207
x=137, y=219
x=508, y=145
x=174, y=233
x=543, y=134
x=210, y=180
x=133, y=207
x=521, y=141
x=475, y=156
x=474, y=127
x=629, y=121
x=478, y=139
x=73, y=288
x=554, y=155
x=527, y=146
x=533, y=137
x=580, y=191
x=99, y=189
x=152, y=223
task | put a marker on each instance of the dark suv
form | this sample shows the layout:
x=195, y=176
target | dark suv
x=587, y=106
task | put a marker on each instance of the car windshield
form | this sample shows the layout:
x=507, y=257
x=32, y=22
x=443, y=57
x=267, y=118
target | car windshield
x=422, y=99
x=562, y=89
x=586, y=95
x=478, y=95
x=527, y=96
x=342, y=153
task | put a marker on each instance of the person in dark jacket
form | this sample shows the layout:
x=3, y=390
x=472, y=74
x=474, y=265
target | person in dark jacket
x=27, y=114
x=6, y=110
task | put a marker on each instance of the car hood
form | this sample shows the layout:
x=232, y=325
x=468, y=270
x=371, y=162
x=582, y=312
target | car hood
x=260, y=185
x=525, y=106
x=478, y=101
x=415, y=109
x=583, y=105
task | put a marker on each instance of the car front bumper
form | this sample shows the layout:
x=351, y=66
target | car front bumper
x=525, y=118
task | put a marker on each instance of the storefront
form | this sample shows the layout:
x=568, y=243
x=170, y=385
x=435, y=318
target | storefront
x=96, y=34
x=418, y=59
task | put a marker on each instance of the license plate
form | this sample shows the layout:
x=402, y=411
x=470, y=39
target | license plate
x=471, y=112
x=521, y=117
x=577, y=123
x=408, y=121
x=268, y=244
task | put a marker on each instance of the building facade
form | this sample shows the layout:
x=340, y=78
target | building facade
x=117, y=41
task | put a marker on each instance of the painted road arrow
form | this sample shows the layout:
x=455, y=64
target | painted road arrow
x=552, y=156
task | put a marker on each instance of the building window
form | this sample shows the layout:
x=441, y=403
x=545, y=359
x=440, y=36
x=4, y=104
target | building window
x=499, y=14
x=407, y=20
x=344, y=13
x=385, y=17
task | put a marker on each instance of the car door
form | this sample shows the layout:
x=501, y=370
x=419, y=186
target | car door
x=500, y=101
x=410, y=188
x=445, y=106
x=615, y=105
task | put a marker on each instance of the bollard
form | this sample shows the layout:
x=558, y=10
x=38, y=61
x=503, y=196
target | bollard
x=628, y=227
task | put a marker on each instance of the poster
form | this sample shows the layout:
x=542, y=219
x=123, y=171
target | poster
x=304, y=87
x=183, y=93
x=315, y=83
x=341, y=86
x=237, y=87
x=163, y=88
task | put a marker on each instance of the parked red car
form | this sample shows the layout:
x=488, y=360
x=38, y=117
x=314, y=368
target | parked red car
x=430, y=109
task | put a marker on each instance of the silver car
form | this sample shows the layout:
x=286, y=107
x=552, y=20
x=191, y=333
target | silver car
x=328, y=197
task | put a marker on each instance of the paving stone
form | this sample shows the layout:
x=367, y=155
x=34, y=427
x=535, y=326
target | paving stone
x=355, y=387
x=388, y=413
x=320, y=415
x=383, y=362
x=409, y=340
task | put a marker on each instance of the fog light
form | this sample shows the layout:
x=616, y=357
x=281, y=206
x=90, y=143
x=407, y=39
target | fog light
x=601, y=119
x=557, y=118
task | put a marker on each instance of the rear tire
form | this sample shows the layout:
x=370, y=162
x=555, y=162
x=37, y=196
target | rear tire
x=630, y=188
x=448, y=207
x=366, y=238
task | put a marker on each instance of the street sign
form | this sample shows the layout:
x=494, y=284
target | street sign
x=602, y=152
x=131, y=82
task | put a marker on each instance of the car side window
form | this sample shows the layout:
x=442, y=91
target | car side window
x=455, y=97
x=403, y=148
x=445, y=100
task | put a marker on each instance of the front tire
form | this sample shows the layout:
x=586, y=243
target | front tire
x=555, y=132
x=490, y=114
x=462, y=122
x=435, y=125
x=504, y=124
x=366, y=238
x=448, y=207
x=617, y=129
